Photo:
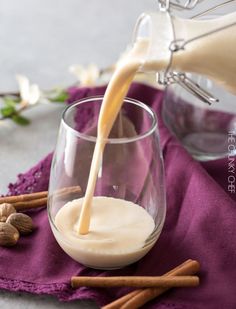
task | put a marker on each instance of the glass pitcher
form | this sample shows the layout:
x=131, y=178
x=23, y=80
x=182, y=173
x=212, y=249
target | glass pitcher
x=174, y=44
x=206, y=47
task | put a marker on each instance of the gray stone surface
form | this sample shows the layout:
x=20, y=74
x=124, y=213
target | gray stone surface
x=41, y=39
x=30, y=301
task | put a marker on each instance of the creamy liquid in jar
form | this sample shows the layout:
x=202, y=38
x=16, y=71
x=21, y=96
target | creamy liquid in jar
x=213, y=55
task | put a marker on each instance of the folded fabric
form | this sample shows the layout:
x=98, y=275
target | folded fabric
x=200, y=224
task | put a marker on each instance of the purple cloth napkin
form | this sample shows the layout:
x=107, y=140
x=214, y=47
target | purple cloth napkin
x=200, y=224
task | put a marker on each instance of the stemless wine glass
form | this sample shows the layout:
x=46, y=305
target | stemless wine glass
x=131, y=170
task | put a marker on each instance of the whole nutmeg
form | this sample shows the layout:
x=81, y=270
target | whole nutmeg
x=5, y=211
x=8, y=235
x=21, y=222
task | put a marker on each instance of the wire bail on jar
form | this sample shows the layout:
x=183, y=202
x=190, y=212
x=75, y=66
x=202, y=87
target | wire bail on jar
x=168, y=76
x=188, y=5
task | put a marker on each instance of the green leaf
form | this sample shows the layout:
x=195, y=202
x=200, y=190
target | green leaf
x=7, y=111
x=23, y=121
x=9, y=101
x=61, y=96
x=16, y=99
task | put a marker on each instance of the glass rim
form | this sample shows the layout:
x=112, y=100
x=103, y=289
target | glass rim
x=122, y=140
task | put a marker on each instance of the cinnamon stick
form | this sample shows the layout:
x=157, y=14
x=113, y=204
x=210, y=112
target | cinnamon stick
x=136, y=281
x=141, y=296
x=148, y=294
x=23, y=197
x=38, y=199
x=116, y=304
x=68, y=190
x=30, y=204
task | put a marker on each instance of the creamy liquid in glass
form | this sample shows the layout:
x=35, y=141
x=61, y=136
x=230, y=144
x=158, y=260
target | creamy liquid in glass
x=91, y=221
x=113, y=239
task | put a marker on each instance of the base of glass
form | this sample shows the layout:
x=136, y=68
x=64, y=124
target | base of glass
x=206, y=157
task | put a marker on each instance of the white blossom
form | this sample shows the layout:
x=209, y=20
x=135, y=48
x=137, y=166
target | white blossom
x=87, y=76
x=29, y=93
